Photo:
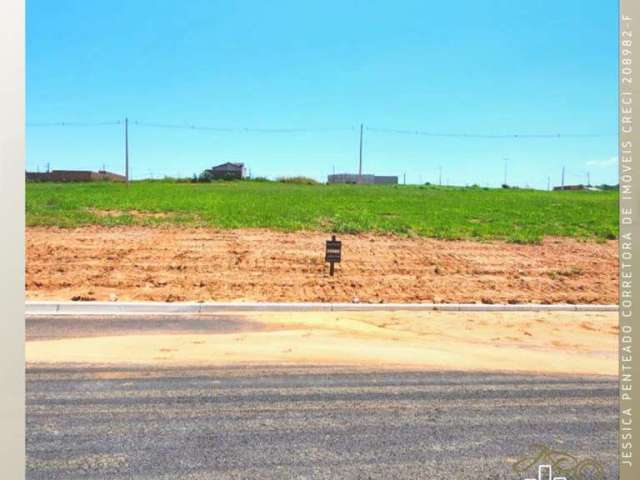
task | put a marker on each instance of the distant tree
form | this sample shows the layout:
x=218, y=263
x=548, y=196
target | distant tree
x=205, y=177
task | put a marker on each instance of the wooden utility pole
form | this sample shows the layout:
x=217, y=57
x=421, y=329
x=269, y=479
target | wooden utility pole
x=126, y=149
x=360, y=163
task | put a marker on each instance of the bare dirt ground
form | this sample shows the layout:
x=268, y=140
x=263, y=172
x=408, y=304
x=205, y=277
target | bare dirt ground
x=174, y=264
x=539, y=342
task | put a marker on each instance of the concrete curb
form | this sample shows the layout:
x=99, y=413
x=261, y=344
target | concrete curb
x=125, y=308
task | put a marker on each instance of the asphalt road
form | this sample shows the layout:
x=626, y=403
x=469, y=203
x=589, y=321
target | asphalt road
x=52, y=327
x=307, y=423
x=274, y=422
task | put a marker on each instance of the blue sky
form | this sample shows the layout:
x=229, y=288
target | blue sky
x=491, y=67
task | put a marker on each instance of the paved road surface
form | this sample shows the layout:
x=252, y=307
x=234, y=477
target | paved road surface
x=306, y=423
x=52, y=327
x=261, y=422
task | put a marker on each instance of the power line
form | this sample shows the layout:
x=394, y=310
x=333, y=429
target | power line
x=240, y=129
x=187, y=126
x=481, y=135
x=73, y=124
x=181, y=127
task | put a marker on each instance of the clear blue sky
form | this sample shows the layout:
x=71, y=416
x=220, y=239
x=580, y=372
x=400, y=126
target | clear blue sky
x=491, y=67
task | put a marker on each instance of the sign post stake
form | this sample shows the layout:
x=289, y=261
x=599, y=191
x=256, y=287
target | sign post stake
x=333, y=253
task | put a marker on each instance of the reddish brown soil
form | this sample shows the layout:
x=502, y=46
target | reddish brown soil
x=173, y=264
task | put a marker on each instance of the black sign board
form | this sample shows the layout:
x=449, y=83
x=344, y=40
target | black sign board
x=333, y=252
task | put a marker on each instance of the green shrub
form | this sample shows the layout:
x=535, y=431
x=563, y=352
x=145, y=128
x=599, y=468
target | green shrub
x=298, y=180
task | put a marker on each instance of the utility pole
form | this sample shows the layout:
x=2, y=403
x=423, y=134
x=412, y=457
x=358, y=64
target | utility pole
x=588, y=179
x=562, y=182
x=440, y=169
x=126, y=149
x=506, y=160
x=360, y=164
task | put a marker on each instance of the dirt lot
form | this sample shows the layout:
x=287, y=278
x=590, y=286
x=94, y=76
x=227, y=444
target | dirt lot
x=542, y=342
x=173, y=264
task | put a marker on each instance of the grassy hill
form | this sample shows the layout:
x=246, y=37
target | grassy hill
x=441, y=212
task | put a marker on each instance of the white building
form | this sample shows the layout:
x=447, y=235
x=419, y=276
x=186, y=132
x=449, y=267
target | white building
x=364, y=179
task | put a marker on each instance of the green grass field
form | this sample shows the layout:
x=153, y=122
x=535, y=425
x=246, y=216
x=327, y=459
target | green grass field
x=441, y=212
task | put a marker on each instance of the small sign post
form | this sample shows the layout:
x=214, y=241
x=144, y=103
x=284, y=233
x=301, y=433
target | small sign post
x=333, y=253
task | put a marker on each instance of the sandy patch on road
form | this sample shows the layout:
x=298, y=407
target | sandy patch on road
x=173, y=264
x=547, y=342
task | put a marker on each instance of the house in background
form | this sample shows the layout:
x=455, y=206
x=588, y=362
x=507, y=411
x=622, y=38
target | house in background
x=226, y=171
x=74, y=176
x=577, y=187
